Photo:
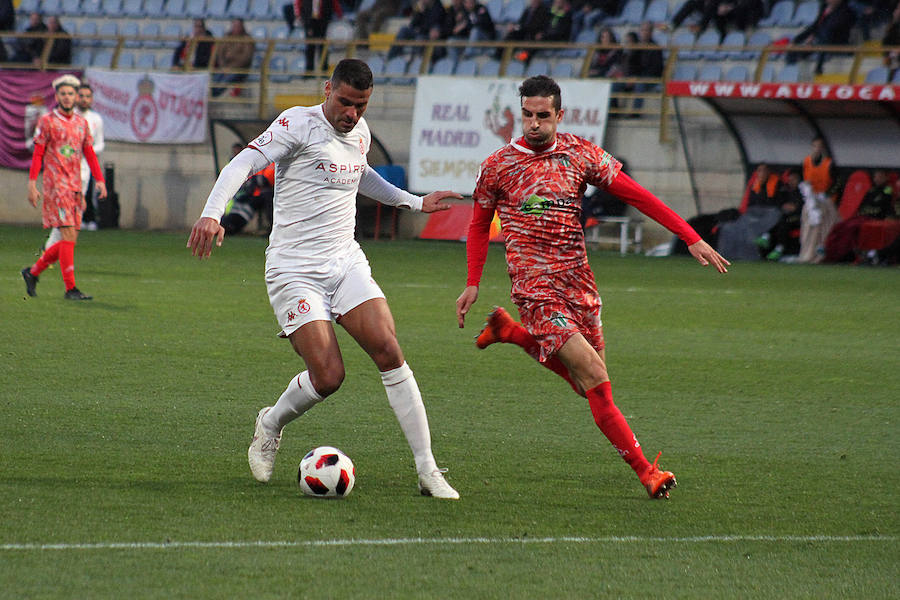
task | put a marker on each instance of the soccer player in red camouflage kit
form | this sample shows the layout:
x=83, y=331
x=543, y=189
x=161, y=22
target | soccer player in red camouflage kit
x=535, y=184
x=60, y=140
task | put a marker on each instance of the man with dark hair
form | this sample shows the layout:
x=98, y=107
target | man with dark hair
x=316, y=272
x=535, y=185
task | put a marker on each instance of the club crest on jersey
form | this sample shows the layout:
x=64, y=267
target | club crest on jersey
x=559, y=319
x=303, y=307
x=563, y=160
x=264, y=139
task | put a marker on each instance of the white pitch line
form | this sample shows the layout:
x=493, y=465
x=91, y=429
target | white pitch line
x=451, y=540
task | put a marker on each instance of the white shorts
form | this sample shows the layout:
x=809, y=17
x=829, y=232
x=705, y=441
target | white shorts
x=320, y=292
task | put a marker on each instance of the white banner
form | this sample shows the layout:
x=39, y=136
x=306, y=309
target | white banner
x=155, y=108
x=458, y=122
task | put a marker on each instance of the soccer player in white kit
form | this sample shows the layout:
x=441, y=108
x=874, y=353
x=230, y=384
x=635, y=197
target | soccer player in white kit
x=315, y=269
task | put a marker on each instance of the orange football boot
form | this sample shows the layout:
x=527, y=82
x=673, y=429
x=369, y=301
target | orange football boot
x=495, y=328
x=658, y=483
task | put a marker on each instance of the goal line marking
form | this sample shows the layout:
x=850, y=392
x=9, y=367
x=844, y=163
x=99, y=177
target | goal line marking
x=451, y=540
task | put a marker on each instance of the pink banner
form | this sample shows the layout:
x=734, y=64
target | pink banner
x=16, y=90
x=784, y=91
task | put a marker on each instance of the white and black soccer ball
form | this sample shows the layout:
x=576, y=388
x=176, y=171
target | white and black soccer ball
x=326, y=472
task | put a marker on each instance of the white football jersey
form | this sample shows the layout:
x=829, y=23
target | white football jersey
x=317, y=174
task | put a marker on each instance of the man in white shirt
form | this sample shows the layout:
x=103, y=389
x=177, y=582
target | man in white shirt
x=315, y=269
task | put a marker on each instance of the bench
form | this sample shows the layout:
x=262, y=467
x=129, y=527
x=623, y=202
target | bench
x=631, y=233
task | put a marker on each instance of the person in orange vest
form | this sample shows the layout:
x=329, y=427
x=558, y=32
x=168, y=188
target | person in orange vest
x=819, y=213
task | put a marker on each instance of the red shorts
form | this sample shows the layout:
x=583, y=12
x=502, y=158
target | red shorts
x=555, y=307
x=62, y=210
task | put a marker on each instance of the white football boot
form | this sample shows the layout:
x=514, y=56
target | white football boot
x=433, y=484
x=263, y=448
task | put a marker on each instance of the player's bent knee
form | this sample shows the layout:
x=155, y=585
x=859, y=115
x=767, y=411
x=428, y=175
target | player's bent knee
x=327, y=381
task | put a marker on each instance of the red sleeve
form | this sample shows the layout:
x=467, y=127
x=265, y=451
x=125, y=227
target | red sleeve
x=298, y=4
x=338, y=9
x=93, y=163
x=477, y=242
x=637, y=196
x=36, y=160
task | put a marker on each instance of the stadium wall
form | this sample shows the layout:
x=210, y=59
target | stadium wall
x=164, y=187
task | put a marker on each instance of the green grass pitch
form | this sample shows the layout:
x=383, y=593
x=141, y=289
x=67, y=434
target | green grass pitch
x=772, y=392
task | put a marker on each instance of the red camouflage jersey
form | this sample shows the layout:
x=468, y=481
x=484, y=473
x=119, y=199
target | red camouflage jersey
x=64, y=138
x=538, y=198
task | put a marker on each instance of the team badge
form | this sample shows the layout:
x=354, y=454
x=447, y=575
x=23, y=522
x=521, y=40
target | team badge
x=303, y=307
x=559, y=319
x=144, y=113
x=264, y=139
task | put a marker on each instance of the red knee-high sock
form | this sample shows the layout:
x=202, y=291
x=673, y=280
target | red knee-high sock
x=519, y=336
x=50, y=256
x=614, y=426
x=67, y=263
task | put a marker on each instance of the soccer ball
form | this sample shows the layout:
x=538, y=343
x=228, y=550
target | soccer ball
x=326, y=472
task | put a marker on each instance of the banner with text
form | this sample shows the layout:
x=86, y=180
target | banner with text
x=458, y=122
x=155, y=108
x=784, y=91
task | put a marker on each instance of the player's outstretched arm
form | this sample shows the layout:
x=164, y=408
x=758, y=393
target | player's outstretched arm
x=433, y=202
x=202, y=234
x=465, y=302
x=705, y=255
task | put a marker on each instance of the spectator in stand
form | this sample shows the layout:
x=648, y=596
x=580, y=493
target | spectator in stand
x=892, y=38
x=741, y=14
x=314, y=16
x=535, y=19
x=819, y=213
x=371, y=20
x=642, y=63
x=831, y=28
x=608, y=62
x=428, y=22
x=588, y=13
x=27, y=50
x=61, y=47
x=784, y=237
x=7, y=23
x=234, y=52
x=876, y=205
x=708, y=10
x=870, y=13
x=469, y=20
x=200, y=51
x=560, y=29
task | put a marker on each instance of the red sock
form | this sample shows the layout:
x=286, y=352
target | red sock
x=614, y=426
x=519, y=336
x=49, y=257
x=67, y=263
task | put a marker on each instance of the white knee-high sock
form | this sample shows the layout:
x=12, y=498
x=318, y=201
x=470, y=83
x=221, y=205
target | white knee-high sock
x=55, y=236
x=298, y=398
x=406, y=400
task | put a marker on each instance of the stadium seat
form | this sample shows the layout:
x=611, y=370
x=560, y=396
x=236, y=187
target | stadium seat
x=710, y=72
x=70, y=8
x=780, y=15
x=684, y=72
x=146, y=61
x=90, y=8
x=758, y=39
x=395, y=67
x=491, y=68
x=259, y=10
x=564, y=69
x=632, y=14
x=376, y=64
x=173, y=31
x=878, y=75
x=297, y=66
x=806, y=13
x=126, y=60
x=153, y=8
x=684, y=40
x=111, y=8
x=29, y=6
x=788, y=74
x=443, y=66
x=495, y=9
x=536, y=67
x=238, y=8
x=768, y=73
x=512, y=10
x=108, y=28
x=731, y=42
x=195, y=9
x=151, y=30
x=515, y=68
x=175, y=9
x=585, y=36
x=278, y=69
x=467, y=68
x=51, y=7
x=896, y=77
x=81, y=57
x=657, y=11
x=102, y=59
x=88, y=29
x=707, y=43
x=132, y=9
x=737, y=73
x=217, y=9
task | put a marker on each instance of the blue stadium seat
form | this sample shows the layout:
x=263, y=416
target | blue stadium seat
x=70, y=8
x=788, y=74
x=707, y=43
x=896, y=77
x=151, y=29
x=217, y=9
x=29, y=6
x=173, y=31
x=175, y=9
x=376, y=64
x=632, y=14
x=443, y=66
x=395, y=67
x=585, y=36
x=153, y=8
x=806, y=13
x=515, y=68
x=111, y=8
x=81, y=57
x=297, y=66
x=684, y=40
x=737, y=73
x=195, y=9
x=684, y=72
x=757, y=39
x=259, y=10
x=710, y=72
x=51, y=7
x=132, y=9
x=768, y=73
x=126, y=60
x=108, y=28
x=780, y=16
x=102, y=59
x=878, y=75
x=278, y=69
x=146, y=61
x=491, y=68
x=88, y=28
x=563, y=69
x=537, y=66
x=91, y=8
x=467, y=68
x=495, y=9
x=238, y=8
x=657, y=11
x=512, y=11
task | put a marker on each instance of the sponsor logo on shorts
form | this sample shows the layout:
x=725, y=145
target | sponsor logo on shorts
x=303, y=307
x=559, y=319
x=291, y=316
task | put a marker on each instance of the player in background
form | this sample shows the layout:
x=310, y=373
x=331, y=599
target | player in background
x=315, y=269
x=83, y=104
x=62, y=137
x=535, y=184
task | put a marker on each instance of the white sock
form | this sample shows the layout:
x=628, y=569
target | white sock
x=298, y=398
x=406, y=400
x=55, y=236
